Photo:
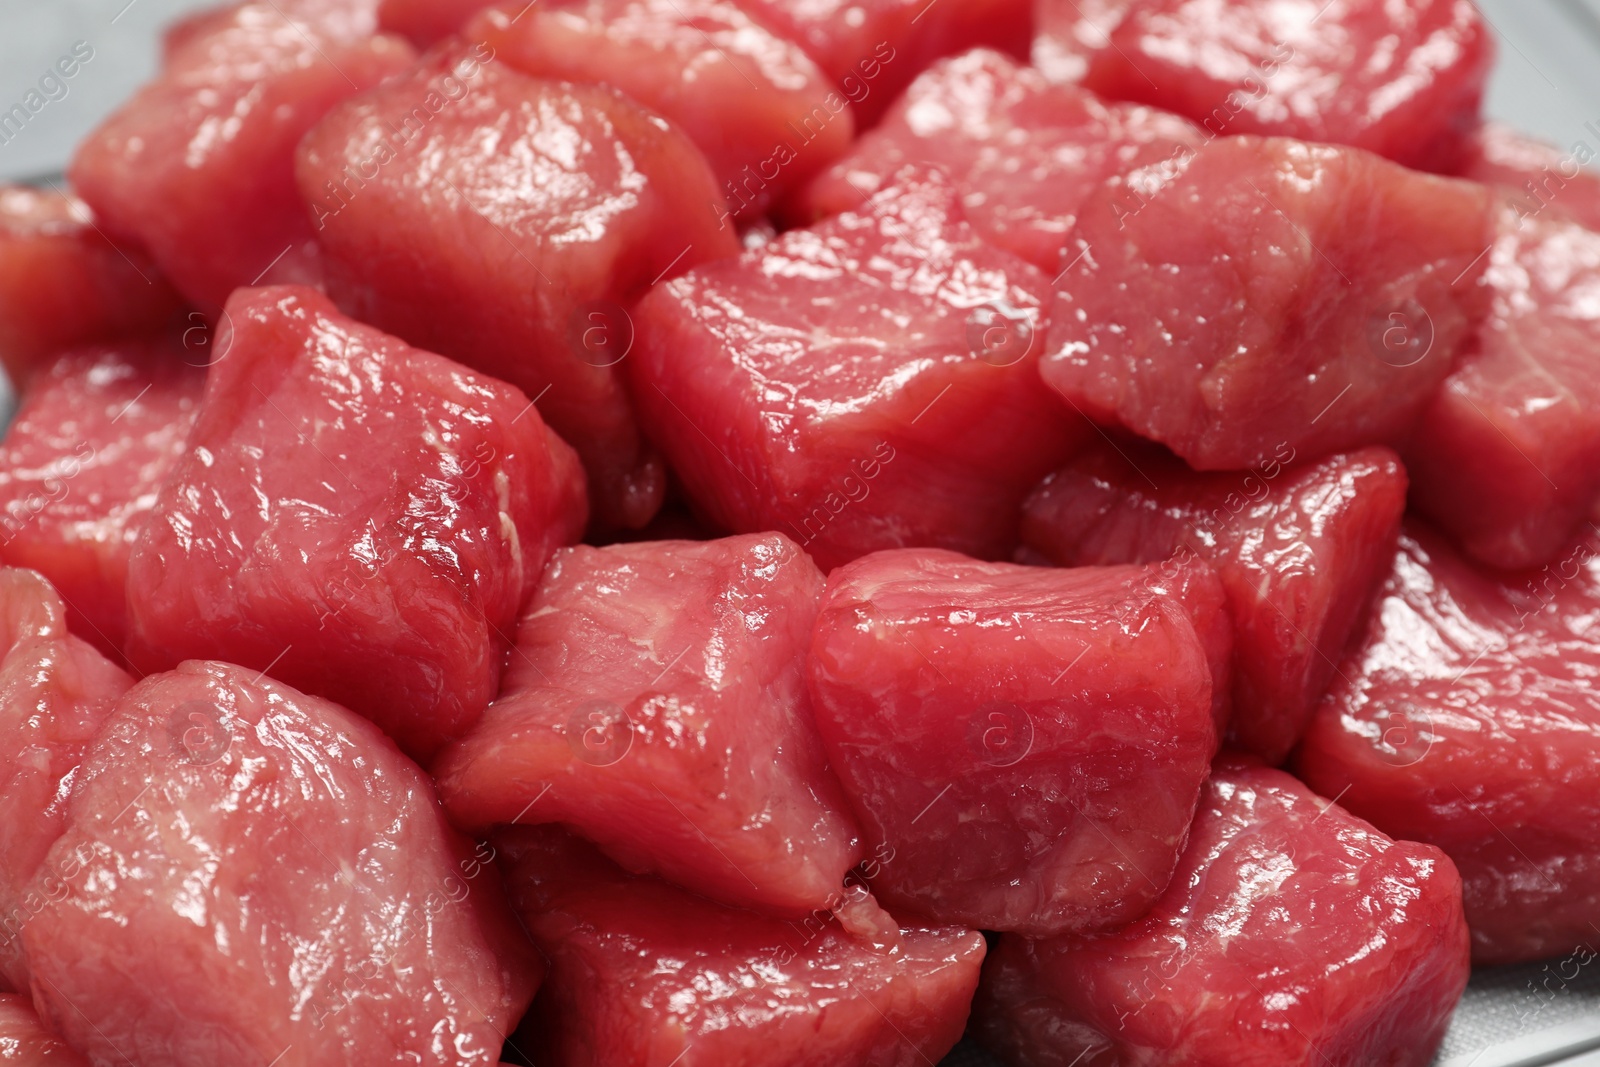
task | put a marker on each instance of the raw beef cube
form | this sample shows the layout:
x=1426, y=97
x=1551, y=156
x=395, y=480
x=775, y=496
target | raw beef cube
x=1506, y=458
x=198, y=166
x=268, y=880
x=1029, y=742
x=64, y=283
x=656, y=703
x=1468, y=719
x=868, y=383
x=644, y=974
x=358, y=517
x=1534, y=177
x=875, y=48
x=1299, y=549
x=24, y=1042
x=98, y=432
x=55, y=691
x=763, y=113
x=1404, y=80
x=1023, y=153
x=427, y=22
x=1292, y=935
x=1264, y=293
x=507, y=230
x=1069, y=33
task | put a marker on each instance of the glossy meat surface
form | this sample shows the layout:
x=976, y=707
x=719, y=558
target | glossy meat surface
x=198, y=166
x=505, y=226
x=1023, y=153
x=1264, y=293
x=1536, y=178
x=1293, y=935
x=1030, y=742
x=24, y=1042
x=55, y=691
x=268, y=880
x=63, y=283
x=1404, y=80
x=643, y=974
x=766, y=117
x=1468, y=719
x=875, y=48
x=656, y=703
x=1506, y=458
x=360, y=517
x=1069, y=33
x=98, y=431
x=867, y=383
x=1299, y=550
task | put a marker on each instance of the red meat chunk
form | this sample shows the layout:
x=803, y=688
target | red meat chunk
x=1029, y=742
x=1292, y=935
x=64, y=283
x=98, y=432
x=875, y=48
x=1024, y=154
x=869, y=383
x=267, y=879
x=504, y=221
x=198, y=167
x=766, y=117
x=1264, y=293
x=1299, y=550
x=55, y=691
x=427, y=22
x=656, y=703
x=1404, y=80
x=1506, y=458
x=25, y=1042
x=357, y=516
x=1534, y=177
x=643, y=973
x=1468, y=719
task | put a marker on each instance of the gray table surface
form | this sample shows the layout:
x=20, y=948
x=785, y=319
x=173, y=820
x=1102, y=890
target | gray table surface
x=1547, y=82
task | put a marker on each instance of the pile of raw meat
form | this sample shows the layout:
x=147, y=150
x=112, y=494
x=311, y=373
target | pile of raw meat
x=696, y=533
